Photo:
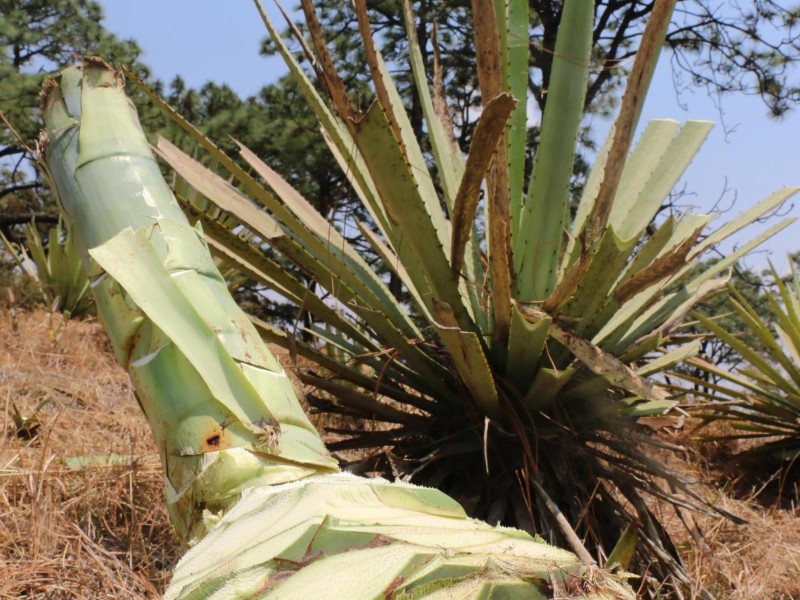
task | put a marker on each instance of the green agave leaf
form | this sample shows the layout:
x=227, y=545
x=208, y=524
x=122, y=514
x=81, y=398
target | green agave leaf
x=662, y=316
x=526, y=343
x=394, y=263
x=363, y=185
x=448, y=156
x=546, y=386
x=648, y=409
x=789, y=343
x=761, y=330
x=726, y=375
x=469, y=357
x=788, y=316
x=537, y=247
x=577, y=238
x=335, y=132
x=400, y=125
x=644, y=276
x=759, y=377
x=662, y=256
x=515, y=79
x=640, y=315
x=36, y=248
x=622, y=554
x=643, y=346
x=777, y=403
x=647, y=155
x=76, y=283
x=77, y=463
x=641, y=199
x=746, y=351
x=400, y=193
x=590, y=296
x=651, y=171
x=793, y=303
x=670, y=359
x=748, y=217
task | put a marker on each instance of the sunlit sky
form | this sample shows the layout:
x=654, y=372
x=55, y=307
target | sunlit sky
x=209, y=40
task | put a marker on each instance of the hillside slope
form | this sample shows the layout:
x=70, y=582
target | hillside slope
x=74, y=526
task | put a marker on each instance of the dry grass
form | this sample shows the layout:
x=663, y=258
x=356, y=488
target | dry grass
x=757, y=560
x=95, y=532
x=102, y=532
x=760, y=559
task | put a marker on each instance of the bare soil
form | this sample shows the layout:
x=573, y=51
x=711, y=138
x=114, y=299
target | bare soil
x=95, y=530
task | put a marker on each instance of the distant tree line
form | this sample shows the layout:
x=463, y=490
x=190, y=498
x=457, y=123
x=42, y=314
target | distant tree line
x=744, y=48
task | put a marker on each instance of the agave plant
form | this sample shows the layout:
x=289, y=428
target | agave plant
x=56, y=269
x=513, y=374
x=248, y=480
x=764, y=394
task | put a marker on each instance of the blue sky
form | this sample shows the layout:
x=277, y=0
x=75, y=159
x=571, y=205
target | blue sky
x=209, y=40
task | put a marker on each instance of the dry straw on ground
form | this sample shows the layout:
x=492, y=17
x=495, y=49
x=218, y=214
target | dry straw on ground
x=93, y=532
x=750, y=561
x=101, y=531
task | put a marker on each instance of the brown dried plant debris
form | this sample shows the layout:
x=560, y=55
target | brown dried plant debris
x=758, y=559
x=91, y=532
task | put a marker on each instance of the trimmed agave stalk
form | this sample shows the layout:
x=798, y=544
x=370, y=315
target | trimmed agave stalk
x=524, y=380
x=200, y=371
x=248, y=480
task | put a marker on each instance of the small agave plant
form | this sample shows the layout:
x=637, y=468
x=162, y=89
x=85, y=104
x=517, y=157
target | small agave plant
x=55, y=269
x=515, y=376
x=762, y=396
